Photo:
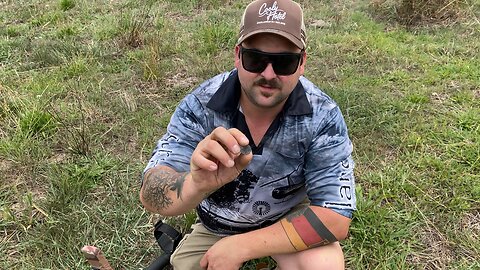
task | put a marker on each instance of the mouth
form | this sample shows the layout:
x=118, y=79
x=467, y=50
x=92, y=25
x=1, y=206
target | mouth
x=267, y=90
x=269, y=84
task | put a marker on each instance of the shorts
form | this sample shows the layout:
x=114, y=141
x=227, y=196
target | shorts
x=193, y=246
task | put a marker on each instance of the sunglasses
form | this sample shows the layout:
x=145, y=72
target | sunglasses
x=256, y=61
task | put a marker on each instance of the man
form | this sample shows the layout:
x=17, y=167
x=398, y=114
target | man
x=291, y=195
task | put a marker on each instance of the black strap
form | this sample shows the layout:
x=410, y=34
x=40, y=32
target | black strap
x=160, y=262
x=167, y=237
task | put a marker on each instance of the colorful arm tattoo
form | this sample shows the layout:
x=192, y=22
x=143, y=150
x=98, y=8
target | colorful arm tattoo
x=306, y=231
x=158, y=185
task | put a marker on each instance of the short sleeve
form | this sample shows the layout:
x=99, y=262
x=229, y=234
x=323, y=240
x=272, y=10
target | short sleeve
x=329, y=166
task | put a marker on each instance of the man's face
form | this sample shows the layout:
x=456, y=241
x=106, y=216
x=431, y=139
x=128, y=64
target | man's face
x=266, y=89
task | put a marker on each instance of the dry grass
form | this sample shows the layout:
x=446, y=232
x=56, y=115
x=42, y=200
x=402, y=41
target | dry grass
x=430, y=11
x=437, y=251
x=423, y=12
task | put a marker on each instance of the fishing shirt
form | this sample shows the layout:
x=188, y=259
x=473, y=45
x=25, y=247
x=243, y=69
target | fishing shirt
x=306, y=153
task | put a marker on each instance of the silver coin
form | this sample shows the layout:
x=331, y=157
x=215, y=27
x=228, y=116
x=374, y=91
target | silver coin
x=245, y=150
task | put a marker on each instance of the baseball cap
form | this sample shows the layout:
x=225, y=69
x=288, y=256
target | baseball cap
x=281, y=17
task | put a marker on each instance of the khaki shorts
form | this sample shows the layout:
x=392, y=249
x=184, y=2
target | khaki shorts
x=193, y=246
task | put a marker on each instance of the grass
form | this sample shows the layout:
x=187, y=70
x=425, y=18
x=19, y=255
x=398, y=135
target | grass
x=86, y=88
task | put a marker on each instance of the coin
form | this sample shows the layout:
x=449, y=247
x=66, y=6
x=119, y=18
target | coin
x=245, y=150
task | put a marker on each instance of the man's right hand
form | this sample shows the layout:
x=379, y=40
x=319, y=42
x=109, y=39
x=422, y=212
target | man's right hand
x=217, y=159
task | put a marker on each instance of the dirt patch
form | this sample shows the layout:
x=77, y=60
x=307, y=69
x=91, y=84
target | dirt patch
x=5, y=165
x=470, y=223
x=58, y=158
x=181, y=80
x=438, y=252
x=439, y=98
x=476, y=93
x=470, y=226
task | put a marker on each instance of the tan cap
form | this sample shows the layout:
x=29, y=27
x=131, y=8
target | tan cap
x=281, y=17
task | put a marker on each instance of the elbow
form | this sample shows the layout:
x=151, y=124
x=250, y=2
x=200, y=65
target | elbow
x=342, y=231
x=156, y=210
x=146, y=195
x=161, y=191
x=145, y=203
x=342, y=235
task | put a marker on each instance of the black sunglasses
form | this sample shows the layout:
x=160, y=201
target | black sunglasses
x=283, y=63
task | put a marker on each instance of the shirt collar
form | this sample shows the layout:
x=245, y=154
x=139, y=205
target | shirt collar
x=227, y=96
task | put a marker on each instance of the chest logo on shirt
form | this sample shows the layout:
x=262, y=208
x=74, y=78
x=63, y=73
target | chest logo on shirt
x=261, y=208
x=236, y=192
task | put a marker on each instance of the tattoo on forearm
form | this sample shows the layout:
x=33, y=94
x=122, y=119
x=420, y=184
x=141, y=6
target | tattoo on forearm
x=178, y=185
x=305, y=230
x=158, y=186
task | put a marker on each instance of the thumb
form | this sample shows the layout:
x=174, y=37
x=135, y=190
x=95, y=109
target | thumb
x=243, y=160
x=204, y=262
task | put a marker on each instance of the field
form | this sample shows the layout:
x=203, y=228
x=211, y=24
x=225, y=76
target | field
x=87, y=87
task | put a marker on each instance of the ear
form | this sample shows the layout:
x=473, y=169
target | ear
x=237, y=56
x=303, y=61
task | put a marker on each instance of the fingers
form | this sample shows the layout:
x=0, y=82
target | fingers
x=245, y=155
x=208, y=153
x=240, y=138
x=231, y=139
x=221, y=146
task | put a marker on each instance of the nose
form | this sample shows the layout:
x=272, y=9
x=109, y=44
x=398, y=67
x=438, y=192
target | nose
x=269, y=73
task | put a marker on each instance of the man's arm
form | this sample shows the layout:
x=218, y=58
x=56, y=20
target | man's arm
x=216, y=161
x=311, y=227
x=168, y=192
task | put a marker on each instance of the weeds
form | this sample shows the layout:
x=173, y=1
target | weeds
x=36, y=122
x=10, y=106
x=152, y=69
x=215, y=37
x=390, y=228
x=78, y=135
x=28, y=215
x=71, y=183
x=67, y=4
x=137, y=25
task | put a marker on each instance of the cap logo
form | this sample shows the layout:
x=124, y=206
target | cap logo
x=273, y=14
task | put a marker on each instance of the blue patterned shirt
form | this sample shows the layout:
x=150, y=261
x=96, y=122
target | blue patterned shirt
x=306, y=153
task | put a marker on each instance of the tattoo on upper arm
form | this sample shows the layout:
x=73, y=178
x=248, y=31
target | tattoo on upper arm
x=159, y=184
x=305, y=230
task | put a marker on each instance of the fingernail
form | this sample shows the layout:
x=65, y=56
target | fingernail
x=230, y=163
x=236, y=149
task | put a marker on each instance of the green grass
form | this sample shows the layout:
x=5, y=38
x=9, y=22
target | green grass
x=86, y=88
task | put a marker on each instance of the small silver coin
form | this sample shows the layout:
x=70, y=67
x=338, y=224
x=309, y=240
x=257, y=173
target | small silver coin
x=245, y=150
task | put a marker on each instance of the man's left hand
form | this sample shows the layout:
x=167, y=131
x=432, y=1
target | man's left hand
x=223, y=255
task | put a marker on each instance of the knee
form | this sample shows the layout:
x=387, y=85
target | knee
x=329, y=257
